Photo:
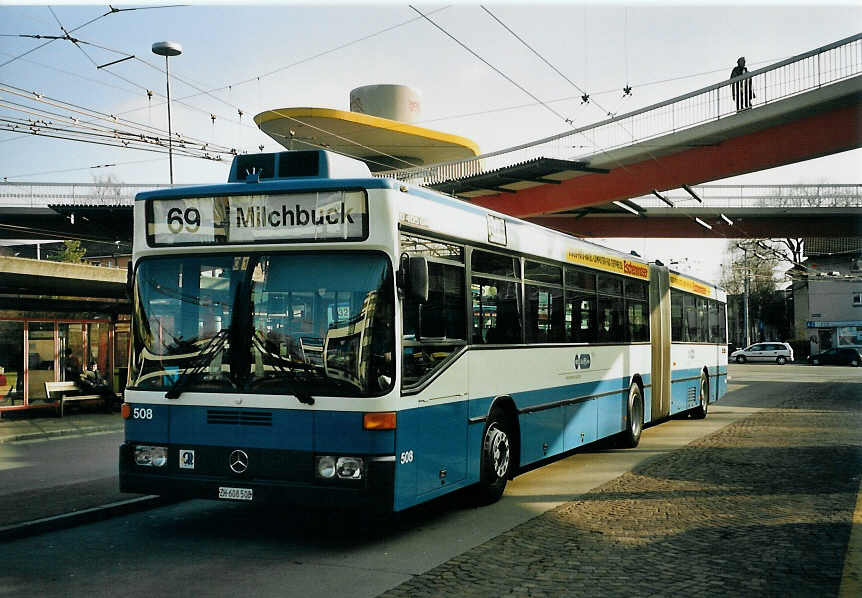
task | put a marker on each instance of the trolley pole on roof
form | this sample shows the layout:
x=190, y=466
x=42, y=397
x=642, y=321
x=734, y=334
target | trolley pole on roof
x=167, y=49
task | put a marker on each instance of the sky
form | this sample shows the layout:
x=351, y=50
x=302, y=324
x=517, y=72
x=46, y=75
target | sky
x=278, y=55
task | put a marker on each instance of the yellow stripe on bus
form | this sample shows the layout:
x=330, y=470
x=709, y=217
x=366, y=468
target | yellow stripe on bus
x=609, y=264
x=692, y=286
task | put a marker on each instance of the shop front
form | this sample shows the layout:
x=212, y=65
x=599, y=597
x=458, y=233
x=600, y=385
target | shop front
x=39, y=349
x=55, y=321
x=835, y=334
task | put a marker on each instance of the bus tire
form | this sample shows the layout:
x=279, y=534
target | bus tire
x=631, y=436
x=702, y=409
x=496, y=457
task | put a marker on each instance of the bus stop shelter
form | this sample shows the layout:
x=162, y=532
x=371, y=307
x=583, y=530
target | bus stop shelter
x=55, y=319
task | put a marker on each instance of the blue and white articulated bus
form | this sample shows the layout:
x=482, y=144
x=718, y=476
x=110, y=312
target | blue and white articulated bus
x=311, y=334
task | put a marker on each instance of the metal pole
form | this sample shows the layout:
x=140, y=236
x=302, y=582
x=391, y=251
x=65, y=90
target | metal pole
x=745, y=306
x=170, y=134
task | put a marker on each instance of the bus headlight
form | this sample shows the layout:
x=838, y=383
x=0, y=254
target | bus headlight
x=325, y=467
x=151, y=456
x=349, y=468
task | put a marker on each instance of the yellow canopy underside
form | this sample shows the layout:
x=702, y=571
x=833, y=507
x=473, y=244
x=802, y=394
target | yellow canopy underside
x=382, y=143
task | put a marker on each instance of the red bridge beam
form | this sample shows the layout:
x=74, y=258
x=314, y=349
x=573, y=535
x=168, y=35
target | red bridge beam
x=809, y=137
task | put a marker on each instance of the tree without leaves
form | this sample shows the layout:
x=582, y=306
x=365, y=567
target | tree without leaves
x=746, y=258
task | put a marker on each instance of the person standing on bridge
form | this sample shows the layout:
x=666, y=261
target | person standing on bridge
x=742, y=91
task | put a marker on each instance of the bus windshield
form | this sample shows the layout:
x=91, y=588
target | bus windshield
x=301, y=323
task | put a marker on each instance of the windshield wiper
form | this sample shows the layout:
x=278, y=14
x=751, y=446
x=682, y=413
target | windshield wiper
x=203, y=359
x=301, y=396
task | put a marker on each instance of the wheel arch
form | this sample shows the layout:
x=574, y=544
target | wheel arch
x=705, y=373
x=638, y=379
x=506, y=404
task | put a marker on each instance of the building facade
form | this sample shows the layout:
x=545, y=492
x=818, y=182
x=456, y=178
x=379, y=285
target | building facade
x=55, y=320
x=828, y=294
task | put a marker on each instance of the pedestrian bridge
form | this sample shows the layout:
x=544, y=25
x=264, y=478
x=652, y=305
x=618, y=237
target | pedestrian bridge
x=804, y=107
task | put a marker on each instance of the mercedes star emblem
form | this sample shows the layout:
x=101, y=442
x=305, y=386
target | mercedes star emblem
x=238, y=461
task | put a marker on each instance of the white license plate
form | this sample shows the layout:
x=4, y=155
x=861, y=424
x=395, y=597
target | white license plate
x=235, y=493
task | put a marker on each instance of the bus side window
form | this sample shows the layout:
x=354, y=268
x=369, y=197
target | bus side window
x=496, y=313
x=580, y=318
x=702, y=321
x=544, y=314
x=611, y=320
x=677, y=321
x=714, y=334
x=690, y=328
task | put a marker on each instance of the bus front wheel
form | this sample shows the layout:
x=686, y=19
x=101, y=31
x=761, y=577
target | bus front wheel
x=496, y=457
x=634, y=417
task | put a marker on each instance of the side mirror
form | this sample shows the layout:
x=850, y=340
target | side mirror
x=413, y=277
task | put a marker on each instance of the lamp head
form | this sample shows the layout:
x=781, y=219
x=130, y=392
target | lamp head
x=167, y=49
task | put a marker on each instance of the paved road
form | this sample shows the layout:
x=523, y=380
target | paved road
x=41, y=478
x=206, y=548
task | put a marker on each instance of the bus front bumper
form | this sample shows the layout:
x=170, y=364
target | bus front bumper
x=292, y=483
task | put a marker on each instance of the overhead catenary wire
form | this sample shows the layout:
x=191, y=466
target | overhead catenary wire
x=82, y=25
x=319, y=54
x=196, y=87
x=598, y=93
x=95, y=115
x=536, y=53
x=94, y=167
x=492, y=67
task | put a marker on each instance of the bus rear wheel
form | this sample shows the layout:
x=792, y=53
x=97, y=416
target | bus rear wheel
x=496, y=458
x=631, y=436
x=701, y=410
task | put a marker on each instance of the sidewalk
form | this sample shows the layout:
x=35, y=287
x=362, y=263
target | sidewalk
x=35, y=425
x=26, y=510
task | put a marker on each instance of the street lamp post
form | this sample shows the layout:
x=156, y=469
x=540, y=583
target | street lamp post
x=167, y=49
x=745, y=296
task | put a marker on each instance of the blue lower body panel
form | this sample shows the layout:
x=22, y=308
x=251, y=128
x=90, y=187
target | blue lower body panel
x=279, y=446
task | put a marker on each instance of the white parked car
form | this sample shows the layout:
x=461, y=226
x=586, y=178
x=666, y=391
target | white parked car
x=780, y=353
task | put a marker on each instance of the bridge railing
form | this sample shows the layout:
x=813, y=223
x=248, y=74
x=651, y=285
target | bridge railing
x=34, y=195
x=814, y=69
x=760, y=196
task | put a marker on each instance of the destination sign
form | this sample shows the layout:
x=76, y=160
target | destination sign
x=330, y=215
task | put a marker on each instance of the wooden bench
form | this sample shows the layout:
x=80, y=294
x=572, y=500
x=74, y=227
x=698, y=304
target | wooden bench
x=68, y=391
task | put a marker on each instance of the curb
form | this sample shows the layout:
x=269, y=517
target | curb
x=60, y=433
x=91, y=515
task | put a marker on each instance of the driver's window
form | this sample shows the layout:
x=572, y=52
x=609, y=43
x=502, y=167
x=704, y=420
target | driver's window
x=434, y=330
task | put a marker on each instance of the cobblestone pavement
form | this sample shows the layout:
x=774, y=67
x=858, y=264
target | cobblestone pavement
x=760, y=508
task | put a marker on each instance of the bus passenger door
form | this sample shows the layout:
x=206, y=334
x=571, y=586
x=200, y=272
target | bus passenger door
x=440, y=455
